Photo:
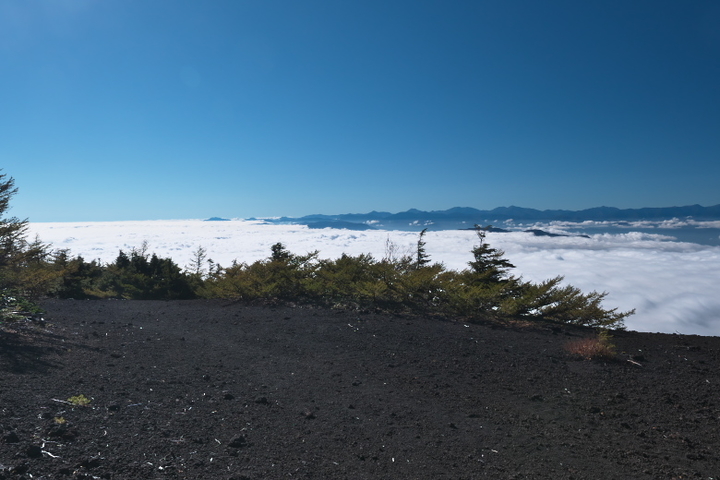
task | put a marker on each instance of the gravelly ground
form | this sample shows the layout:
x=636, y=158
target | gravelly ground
x=214, y=390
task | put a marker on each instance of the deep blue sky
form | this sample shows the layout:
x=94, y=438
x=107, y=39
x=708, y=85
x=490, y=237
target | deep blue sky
x=125, y=109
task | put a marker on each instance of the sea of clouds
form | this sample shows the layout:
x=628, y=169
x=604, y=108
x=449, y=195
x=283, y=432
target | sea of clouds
x=672, y=285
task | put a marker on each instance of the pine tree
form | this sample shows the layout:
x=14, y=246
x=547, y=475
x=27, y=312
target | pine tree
x=422, y=258
x=197, y=263
x=12, y=230
x=280, y=253
x=22, y=263
x=489, y=264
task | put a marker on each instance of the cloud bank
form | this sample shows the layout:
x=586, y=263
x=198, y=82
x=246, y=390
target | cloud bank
x=672, y=285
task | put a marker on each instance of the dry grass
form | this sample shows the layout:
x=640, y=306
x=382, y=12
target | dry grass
x=592, y=348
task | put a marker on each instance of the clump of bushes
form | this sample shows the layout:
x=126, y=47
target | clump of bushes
x=24, y=272
x=412, y=284
x=137, y=275
x=407, y=283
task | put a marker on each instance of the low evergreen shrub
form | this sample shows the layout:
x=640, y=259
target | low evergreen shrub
x=398, y=283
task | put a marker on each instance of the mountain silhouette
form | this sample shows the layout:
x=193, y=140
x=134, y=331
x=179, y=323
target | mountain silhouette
x=464, y=217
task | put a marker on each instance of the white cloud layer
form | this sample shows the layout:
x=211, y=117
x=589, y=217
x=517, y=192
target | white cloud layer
x=672, y=285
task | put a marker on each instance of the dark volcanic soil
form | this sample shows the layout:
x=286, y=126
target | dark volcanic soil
x=213, y=390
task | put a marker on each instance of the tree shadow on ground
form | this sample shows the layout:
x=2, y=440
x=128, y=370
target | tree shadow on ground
x=28, y=350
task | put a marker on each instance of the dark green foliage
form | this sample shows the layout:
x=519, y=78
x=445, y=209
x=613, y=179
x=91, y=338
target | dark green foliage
x=142, y=276
x=408, y=283
x=23, y=272
x=421, y=257
x=567, y=304
x=134, y=276
x=489, y=264
x=76, y=276
x=197, y=265
x=485, y=290
x=12, y=230
x=14, y=251
x=280, y=253
x=283, y=276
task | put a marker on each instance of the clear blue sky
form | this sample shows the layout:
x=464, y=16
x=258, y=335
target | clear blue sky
x=128, y=110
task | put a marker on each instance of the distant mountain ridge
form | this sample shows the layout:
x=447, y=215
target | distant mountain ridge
x=458, y=217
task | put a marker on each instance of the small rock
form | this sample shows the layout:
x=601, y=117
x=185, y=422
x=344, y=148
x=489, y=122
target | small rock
x=33, y=451
x=238, y=442
x=62, y=431
x=93, y=462
x=20, y=469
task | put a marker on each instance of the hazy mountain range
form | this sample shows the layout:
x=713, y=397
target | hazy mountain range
x=466, y=217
